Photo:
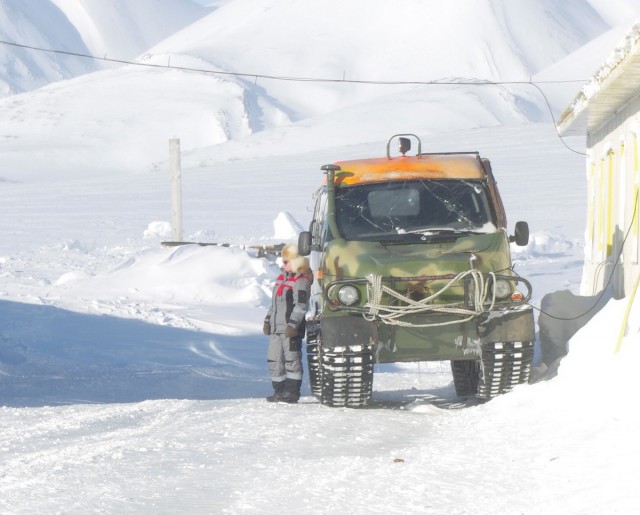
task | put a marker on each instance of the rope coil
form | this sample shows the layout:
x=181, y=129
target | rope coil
x=391, y=314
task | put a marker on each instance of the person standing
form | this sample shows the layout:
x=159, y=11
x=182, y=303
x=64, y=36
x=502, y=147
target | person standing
x=285, y=326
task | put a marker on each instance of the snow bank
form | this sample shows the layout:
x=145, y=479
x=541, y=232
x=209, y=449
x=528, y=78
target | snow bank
x=286, y=227
x=190, y=274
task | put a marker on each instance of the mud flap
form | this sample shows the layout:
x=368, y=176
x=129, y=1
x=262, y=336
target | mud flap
x=513, y=325
x=346, y=330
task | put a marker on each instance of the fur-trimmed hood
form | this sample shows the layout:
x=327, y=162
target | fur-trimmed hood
x=300, y=265
x=289, y=252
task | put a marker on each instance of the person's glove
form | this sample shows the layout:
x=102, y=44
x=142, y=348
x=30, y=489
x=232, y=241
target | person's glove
x=290, y=332
x=266, y=328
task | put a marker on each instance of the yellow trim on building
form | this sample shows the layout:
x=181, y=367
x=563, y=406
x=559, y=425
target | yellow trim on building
x=591, y=207
x=610, y=227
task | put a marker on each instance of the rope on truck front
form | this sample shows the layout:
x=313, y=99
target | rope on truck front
x=392, y=314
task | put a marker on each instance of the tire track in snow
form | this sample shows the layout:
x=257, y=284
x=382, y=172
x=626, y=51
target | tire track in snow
x=81, y=438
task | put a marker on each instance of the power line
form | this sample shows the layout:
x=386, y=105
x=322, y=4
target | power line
x=605, y=287
x=285, y=77
x=256, y=76
x=555, y=125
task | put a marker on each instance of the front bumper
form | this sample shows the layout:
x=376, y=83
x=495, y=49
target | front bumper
x=461, y=340
x=431, y=335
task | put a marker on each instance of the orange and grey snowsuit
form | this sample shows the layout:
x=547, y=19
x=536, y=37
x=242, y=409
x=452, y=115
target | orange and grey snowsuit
x=288, y=310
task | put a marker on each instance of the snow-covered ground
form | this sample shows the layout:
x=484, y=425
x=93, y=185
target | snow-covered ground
x=133, y=375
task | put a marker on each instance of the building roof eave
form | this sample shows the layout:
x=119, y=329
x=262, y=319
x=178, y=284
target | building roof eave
x=612, y=86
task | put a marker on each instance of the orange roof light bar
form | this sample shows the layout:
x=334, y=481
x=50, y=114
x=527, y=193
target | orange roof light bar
x=426, y=166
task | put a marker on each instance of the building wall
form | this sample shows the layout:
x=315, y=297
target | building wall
x=612, y=237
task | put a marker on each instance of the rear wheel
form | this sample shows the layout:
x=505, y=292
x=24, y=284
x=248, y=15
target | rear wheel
x=466, y=376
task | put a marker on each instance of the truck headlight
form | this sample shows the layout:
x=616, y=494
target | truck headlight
x=501, y=288
x=348, y=295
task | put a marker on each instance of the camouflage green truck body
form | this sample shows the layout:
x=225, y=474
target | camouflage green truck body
x=419, y=270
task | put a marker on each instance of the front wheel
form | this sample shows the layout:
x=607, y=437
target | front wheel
x=504, y=365
x=313, y=367
x=345, y=375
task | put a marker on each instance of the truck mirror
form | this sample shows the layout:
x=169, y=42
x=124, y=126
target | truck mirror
x=304, y=243
x=521, y=234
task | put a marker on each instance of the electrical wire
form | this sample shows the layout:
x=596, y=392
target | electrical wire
x=284, y=77
x=555, y=125
x=613, y=269
x=256, y=76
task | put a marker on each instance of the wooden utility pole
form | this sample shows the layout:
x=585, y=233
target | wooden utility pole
x=176, y=189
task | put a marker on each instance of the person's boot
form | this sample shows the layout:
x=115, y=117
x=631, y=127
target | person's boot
x=278, y=390
x=291, y=392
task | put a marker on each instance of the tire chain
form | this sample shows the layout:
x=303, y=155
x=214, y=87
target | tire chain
x=341, y=376
x=504, y=365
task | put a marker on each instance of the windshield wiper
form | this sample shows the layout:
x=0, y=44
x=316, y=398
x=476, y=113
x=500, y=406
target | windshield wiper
x=409, y=238
x=429, y=231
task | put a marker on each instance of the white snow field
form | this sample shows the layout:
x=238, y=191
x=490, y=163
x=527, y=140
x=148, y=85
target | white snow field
x=133, y=375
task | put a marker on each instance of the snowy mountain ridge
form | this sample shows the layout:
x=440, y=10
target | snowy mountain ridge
x=118, y=29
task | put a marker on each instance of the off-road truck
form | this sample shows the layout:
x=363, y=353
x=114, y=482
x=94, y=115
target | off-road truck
x=412, y=262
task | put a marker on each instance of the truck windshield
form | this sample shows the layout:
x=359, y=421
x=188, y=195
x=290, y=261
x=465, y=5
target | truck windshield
x=392, y=209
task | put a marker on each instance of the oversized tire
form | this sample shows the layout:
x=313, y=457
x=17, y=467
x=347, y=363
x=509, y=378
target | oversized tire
x=346, y=375
x=466, y=376
x=504, y=365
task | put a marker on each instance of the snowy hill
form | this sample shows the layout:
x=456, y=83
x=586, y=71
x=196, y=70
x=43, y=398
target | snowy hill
x=210, y=109
x=115, y=29
x=132, y=375
x=417, y=40
x=37, y=24
x=121, y=29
